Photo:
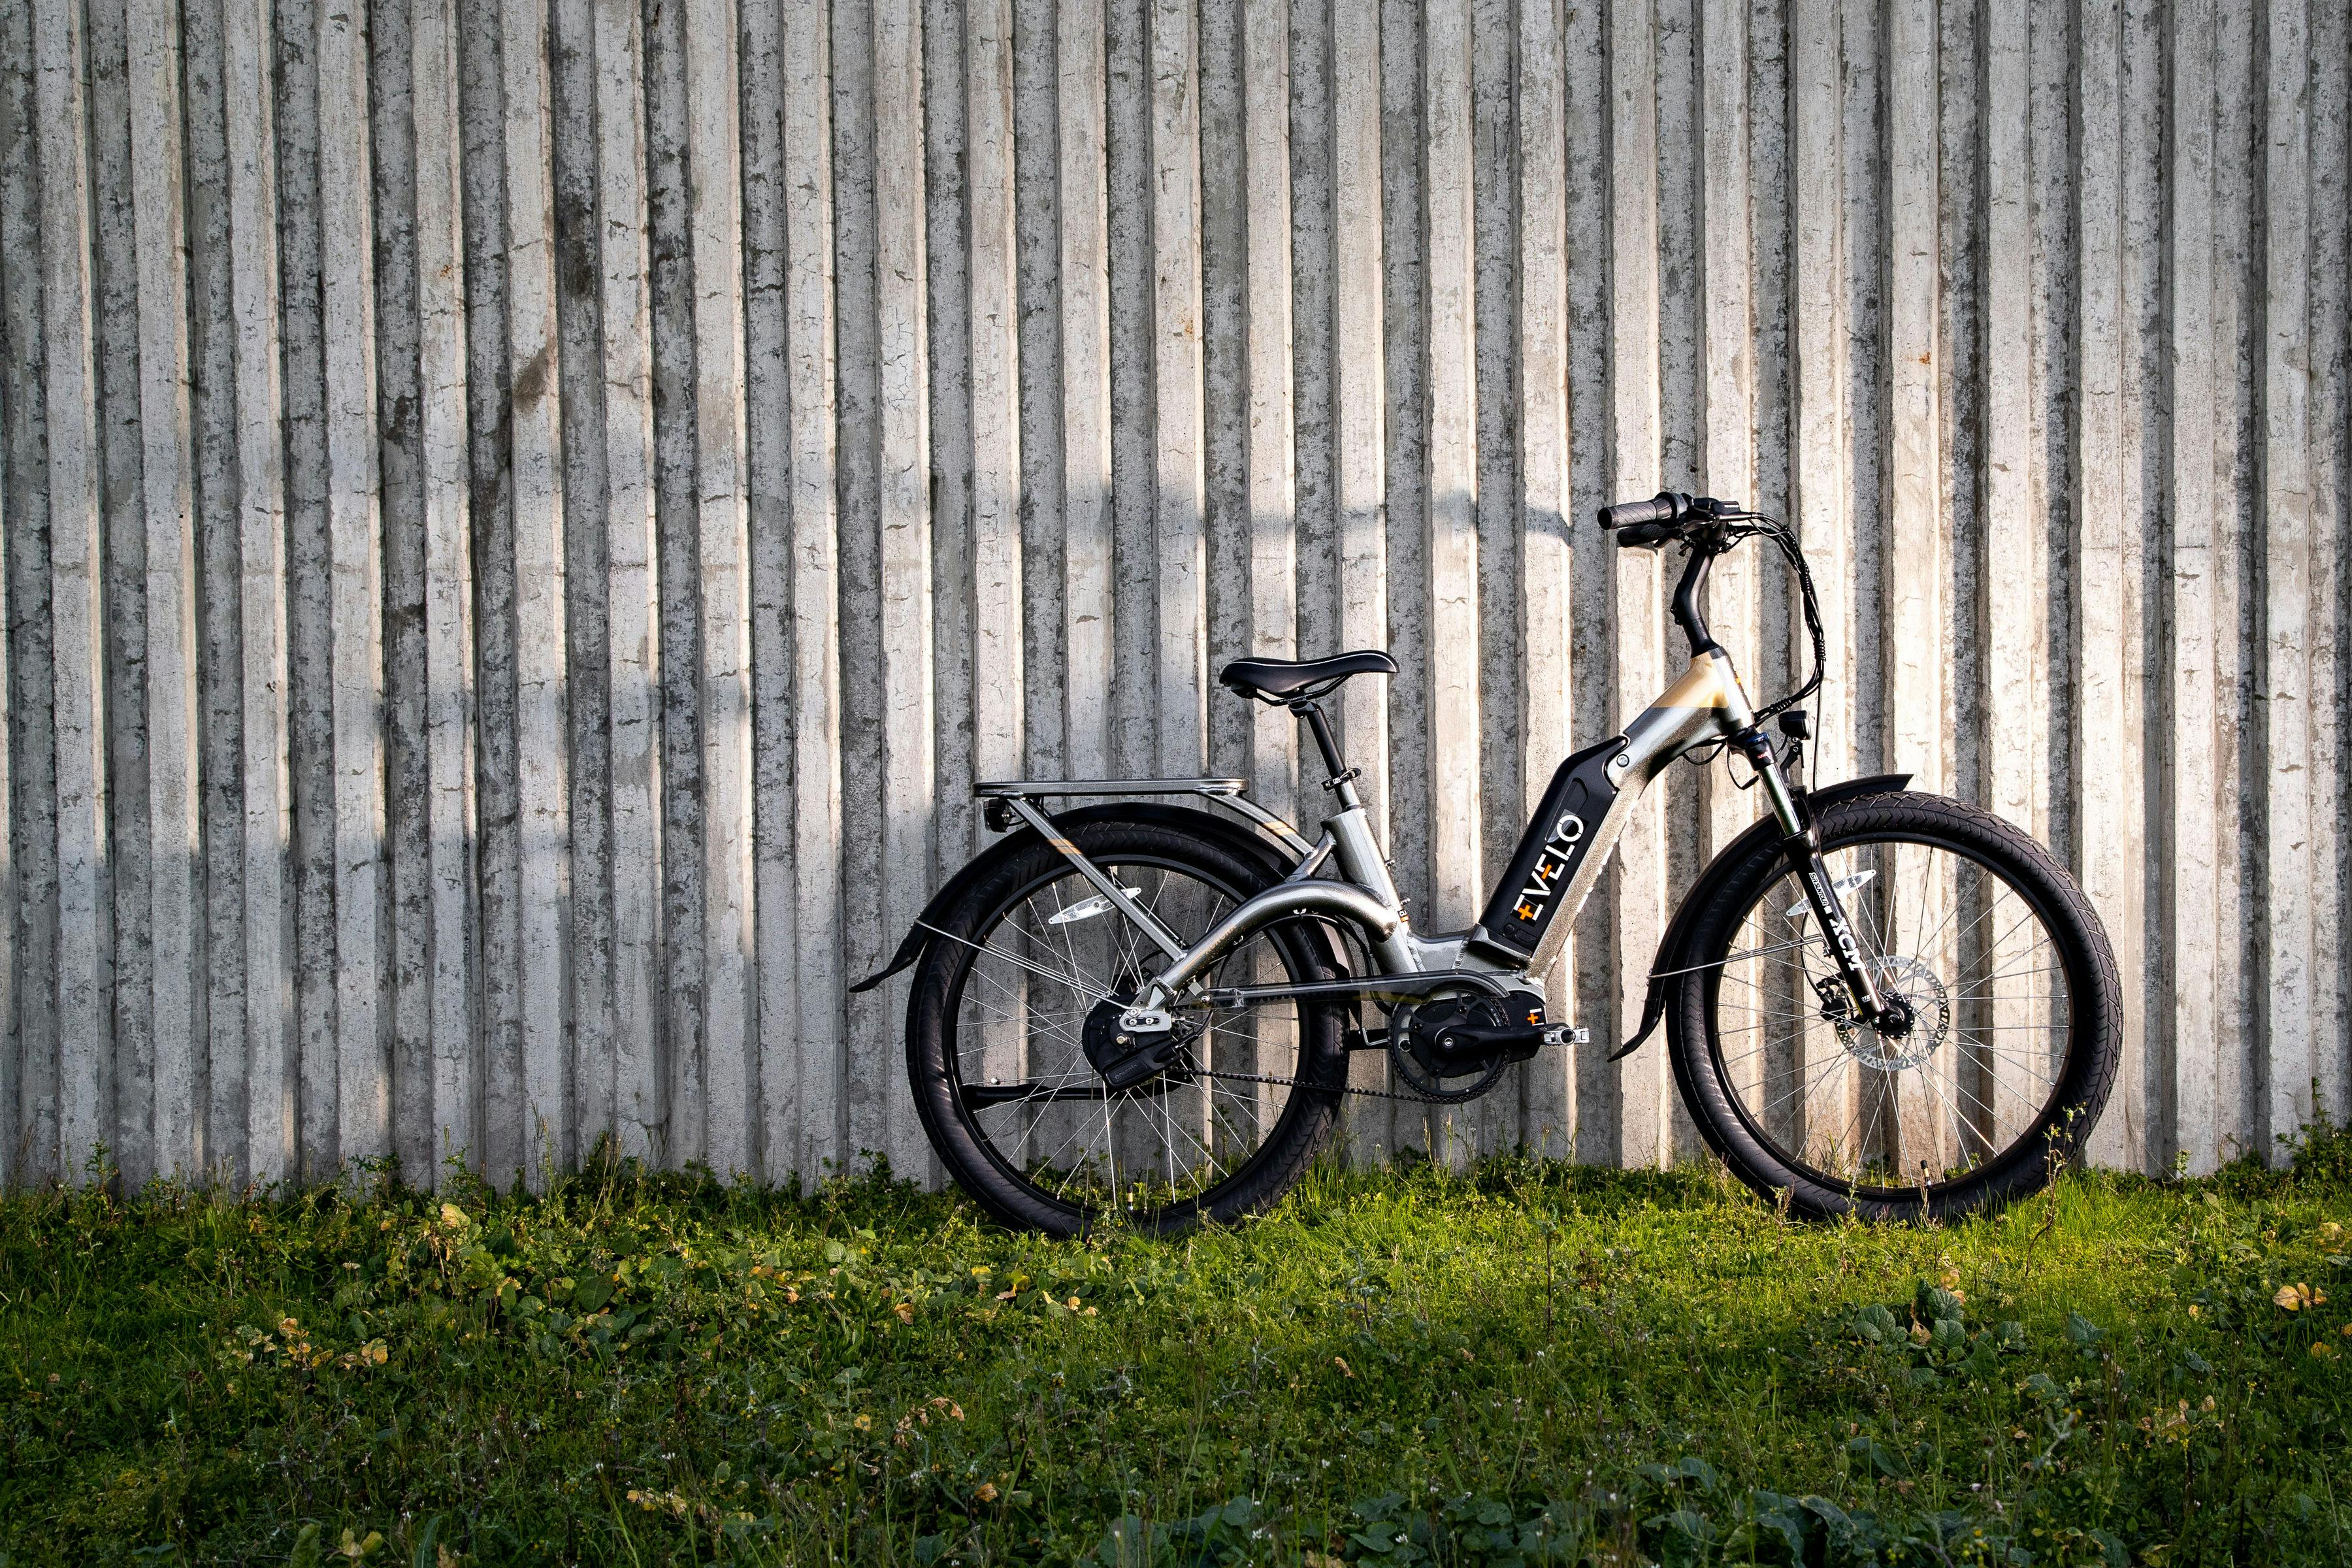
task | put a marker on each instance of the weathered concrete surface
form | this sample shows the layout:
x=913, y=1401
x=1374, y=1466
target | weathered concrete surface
x=523, y=520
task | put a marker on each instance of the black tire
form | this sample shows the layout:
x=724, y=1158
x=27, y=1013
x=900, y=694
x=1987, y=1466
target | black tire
x=1198, y=875
x=2028, y=1071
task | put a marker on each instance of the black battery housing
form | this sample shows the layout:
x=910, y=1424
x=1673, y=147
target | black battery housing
x=1555, y=841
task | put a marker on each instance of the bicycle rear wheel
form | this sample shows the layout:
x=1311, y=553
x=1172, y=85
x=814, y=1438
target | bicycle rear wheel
x=995, y=1042
x=2017, y=1018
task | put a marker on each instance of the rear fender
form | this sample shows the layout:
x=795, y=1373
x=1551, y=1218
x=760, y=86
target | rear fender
x=1226, y=832
x=1673, y=952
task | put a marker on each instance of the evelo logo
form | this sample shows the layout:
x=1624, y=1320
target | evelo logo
x=1550, y=866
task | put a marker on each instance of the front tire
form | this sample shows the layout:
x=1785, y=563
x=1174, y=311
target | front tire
x=1994, y=1086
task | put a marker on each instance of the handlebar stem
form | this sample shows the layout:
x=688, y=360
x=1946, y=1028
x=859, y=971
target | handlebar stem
x=1696, y=559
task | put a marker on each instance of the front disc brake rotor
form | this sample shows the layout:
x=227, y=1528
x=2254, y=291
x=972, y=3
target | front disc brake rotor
x=1925, y=993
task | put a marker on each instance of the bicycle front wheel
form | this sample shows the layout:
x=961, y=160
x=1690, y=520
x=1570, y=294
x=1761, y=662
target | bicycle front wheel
x=2010, y=1054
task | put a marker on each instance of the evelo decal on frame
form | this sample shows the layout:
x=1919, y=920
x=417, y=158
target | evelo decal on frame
x=1555, y=844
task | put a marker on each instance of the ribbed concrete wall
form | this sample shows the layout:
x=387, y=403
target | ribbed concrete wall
x=523, y=518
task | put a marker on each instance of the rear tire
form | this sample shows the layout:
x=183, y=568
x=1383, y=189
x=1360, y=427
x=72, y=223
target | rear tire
x=996, y=991
x=1997, y=1086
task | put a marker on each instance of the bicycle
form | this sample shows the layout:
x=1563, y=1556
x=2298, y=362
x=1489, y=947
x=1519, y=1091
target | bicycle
x=1877, y=1002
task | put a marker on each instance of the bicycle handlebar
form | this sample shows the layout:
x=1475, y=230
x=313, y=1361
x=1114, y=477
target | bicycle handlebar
x=1667, y=507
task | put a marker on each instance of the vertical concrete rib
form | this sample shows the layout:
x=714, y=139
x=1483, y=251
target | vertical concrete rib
x=28, y=1061
x=814, y=600
x=1817, y=479
x=868, y=918
x=1585, y=113
x=2330, y=205
x=1496, y=500
x=1726, y=379
x=77, y=611
x=993, y=203
x=2191, y=804
x=174, y=914
x=1453, y=457
x=1273, y=476
x=309, y=589
x=948, y=333
x=220, y=1048
x=535, y=456
x=767, y=484
x=1359, y=441
x=347, y=293
x=723, y=575
x=1225, y=305
x=2010, y=574
x=1087, y=580
x=1917, y=572
x=441, y=360
x=632, y=590
x=1129, y=185
x=586, y=618
x=1915, y=651
x=128, y=1127
x=2103, y=836
x=1544, y=518
x=392, y=160
x=1638, y=893
x=10, y=1077
x=2285, y=686
x=1179, y=482
x=903, y=511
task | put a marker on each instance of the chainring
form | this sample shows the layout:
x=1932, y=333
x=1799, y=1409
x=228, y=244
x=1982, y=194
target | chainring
x=1407, y=1060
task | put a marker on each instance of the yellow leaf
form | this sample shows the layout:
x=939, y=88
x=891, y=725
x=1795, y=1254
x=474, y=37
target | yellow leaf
x=1341, y=1362
x=906, y=1310
x=2287, y=1297
x=986, y=1491
x=451, y=1214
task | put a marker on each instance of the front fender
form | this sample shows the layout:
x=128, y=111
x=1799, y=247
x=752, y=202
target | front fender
x=1228, y=833
x=1673, y=948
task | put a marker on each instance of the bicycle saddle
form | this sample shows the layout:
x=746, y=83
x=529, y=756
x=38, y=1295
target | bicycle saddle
x=1300, y=680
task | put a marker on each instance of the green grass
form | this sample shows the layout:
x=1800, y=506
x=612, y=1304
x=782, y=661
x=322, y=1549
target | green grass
x=1530, y=1362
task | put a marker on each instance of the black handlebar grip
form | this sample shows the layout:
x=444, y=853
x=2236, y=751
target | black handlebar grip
x=1664, y=507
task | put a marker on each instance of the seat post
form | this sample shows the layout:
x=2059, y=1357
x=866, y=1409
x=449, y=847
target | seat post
x=1341, y=776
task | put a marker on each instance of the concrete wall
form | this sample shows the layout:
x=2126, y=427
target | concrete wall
x=523, y=518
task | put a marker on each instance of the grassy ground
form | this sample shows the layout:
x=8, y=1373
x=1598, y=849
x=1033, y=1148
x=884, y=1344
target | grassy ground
x=1528, y=1363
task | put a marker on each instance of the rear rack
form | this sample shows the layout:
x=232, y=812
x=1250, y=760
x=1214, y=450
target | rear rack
x=1017, y=793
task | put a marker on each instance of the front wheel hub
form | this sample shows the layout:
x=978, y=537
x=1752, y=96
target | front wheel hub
x=1914, y=1021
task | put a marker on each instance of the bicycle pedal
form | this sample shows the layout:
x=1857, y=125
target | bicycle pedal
x=1568, y=1035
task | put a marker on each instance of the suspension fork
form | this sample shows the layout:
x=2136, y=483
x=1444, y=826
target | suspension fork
x=1801, y=846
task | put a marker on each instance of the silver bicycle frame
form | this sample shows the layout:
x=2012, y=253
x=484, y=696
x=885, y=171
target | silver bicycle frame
x=1706, y=704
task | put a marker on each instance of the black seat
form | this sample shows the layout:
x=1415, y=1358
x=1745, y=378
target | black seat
x=1298, y=680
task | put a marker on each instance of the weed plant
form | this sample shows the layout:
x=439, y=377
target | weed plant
x=1527, y=1362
